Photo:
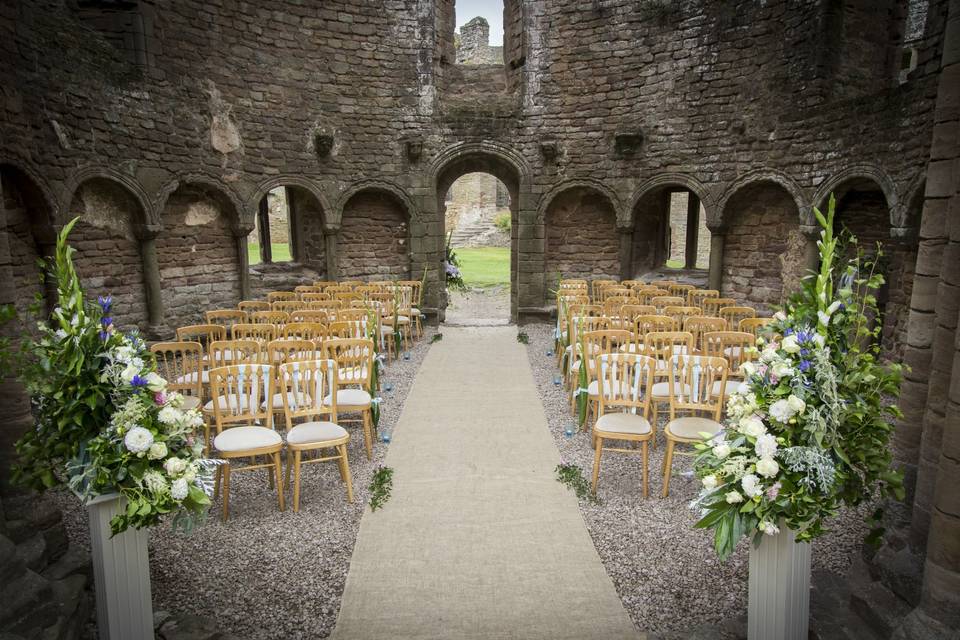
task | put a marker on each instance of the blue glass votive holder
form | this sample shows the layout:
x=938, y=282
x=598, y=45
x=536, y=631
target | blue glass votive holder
x=406, y=355
x=385, y=436
x=557, y=380
x=568, y=431
x=388, y=386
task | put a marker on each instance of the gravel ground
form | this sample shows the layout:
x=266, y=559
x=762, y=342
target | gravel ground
x=266, y=574
x=665, y=571
x=479, y=305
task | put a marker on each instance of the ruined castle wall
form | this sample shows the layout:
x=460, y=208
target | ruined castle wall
x=581, y=237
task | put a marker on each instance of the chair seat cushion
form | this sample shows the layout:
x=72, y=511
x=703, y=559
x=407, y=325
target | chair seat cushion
x=351, y=398
x=246, y=438
x=662, y=389
x=190, y=403
x=228, y=402
x=690, y=427
x=594, y=386
x=310, y=432
x=297, y=400
x=629, y=423
x=191, y=378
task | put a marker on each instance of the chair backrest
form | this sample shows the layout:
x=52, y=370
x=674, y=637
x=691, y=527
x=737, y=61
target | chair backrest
x=202, y=333
x=311, y=315
x=253, y=305
x=277, y=296
x=663, y=345
x=644, y=324
x=354, y=358
x=323, y=284
x=314, y=297
x=242, y=395
x=663, y=284
x=353, y=284
x=304, y=331
x=288, y=305
x=734, y=346
x=347, y=329
x=632, y=283
x=662, y=302
x=416, y=289
x=582, y=324
x=351, y=315
x=681, y=290
x=366, y=289
x=305, y=385
x=597, y=287
x=647, y=294
x=180, y=364
x=307, y=288
x=334, y=289
x=615, y=290
x=612, y=305
x=693, y=385
x=624, y=382
x=699, y=325
x=712, y=306
x=681, y=313
x=733, y=315
x=754, y=325
x=347, y=296
x=573, y=283
x=631, y=311
x=228, y=352
x=277, y=318
x=325, y=305
x=290, y=350
x=603, y=341
x=695, y=297
x=259, y=331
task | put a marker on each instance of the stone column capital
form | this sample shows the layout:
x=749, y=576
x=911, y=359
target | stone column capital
x=147, y=231
x=717, y=229
x=331, y=229
x=904, y=234
x=243, y=229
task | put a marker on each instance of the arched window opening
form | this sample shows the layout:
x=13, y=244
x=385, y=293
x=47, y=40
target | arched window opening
x=273, y=238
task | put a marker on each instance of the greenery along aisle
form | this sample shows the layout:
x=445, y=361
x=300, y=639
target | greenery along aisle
x=810, y=429
x=104, y=421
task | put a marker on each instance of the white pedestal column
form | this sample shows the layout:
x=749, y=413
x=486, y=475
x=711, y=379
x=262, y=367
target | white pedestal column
x=779, y=606
x=121, y=573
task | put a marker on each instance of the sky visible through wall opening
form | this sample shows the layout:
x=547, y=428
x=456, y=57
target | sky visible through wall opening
x=492, y=10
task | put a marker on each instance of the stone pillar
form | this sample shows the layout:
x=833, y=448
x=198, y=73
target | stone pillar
x=294, y=226
x=626, y=253
x=240, y=234
x=693, y=228
x=811, y=252
x=331, y=235
x=153, y=291
x=718, y=237
x=263, y=221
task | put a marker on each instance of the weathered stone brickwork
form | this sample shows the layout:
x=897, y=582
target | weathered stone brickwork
x=581, y=237
x=375, y=239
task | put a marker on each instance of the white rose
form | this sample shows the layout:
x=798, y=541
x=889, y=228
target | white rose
x=768, y=355
x=753, y=427
x=190, y=473
x=780, y=316
x=138, y=440
x=751, y=485
x=175, y=466
x=721, y=450
x=766, y=445
x=781, y=411
x=819, y=340
x=158, y=451
x=179, y=489
x=155, y=382
x=767, y=467
x=790, y=345
x=129, y=372
x=796, y=404
x=709, y=482
x=782, y=370
x=734, y=497
x=169, y=415
x=748, y=369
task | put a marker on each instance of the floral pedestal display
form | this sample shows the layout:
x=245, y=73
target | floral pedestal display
x=779, y=605
x=121, y=573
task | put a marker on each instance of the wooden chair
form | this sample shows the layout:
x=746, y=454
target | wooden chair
x=226, y=317
x=311, y=315
x=696, y=386
x=612, y=305
x=292, y=350
x=664, y=284
x=309, y=392
x=323, y=284
x=699, y=325
x=349, y=329
x=416, y=303
x=279, y=296
x=366, y=289
x=351, y=315
x=736, y=347
x=304, y=331
x=647, y=294
x=733, y=315
x=695, y=297
x=260, y=331
x=754, y=325
x=334, y=289
x=353, y=284
x=663, y=346
x=253, y=305
x=631, y=311
x=306, y=288
x=597, y=287
x=662, y=302
x=226, y=352
x=577, y=326
x=329, y=306
x=596, y=343
x=276, y=318
x=355, y=362
x=623, y=413
x=712, y=306
x=314, y=297
x=288, y=305
x=205, y=334
x=680, y=290
x=244, y=423
x=181, y=365
x=681, y=313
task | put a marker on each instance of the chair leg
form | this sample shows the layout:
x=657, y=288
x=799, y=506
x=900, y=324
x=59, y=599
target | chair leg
x=226, y=491
x=644, y=455
x=269, y=472
x=345, y=471
x=216, y=481
x=596, y=463
x=286, y=482
x=667, y=464
x=276, y=470
x=367, y=435
x=296, y=481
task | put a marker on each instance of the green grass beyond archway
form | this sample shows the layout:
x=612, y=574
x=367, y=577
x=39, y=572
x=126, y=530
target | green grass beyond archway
x=484, y=266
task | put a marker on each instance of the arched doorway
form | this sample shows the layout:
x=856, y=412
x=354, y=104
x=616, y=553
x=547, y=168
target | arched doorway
x=669, y=230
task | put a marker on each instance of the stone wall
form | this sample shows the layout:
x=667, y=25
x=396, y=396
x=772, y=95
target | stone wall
x=764, y=246
x=374, y=239
x=24, y=252
x=474, y=46
x=582, y=239
x=198, y=255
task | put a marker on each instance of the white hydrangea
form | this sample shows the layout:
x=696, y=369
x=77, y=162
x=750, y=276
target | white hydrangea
x=748, y=369
x=169, y=415
x=138, y=440
x=752, y=426
x=751, y=485
x=768, y=528
x=175, y=466
x=734, y=497
x=796, y=404
x=769, y=355
x=179, y=489
x=157, y=451
x=781, y=411
x=765, y=446
x=781, y=369
x=709, y=482
x=154, y=482
x=768, y=467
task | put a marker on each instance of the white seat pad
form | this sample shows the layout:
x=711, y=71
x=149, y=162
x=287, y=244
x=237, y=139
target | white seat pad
x=191, y=378
x=592, y=389
x=691, y=427
x=662, y=389
x=246, y=438
x=351, y=398
x=299, y=400
x=190, y=403
x=630, y=423
x=228, y=402
x=310, y=432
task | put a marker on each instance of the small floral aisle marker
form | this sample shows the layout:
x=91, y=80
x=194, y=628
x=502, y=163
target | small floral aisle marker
x=807, y=434
x=107, y=429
